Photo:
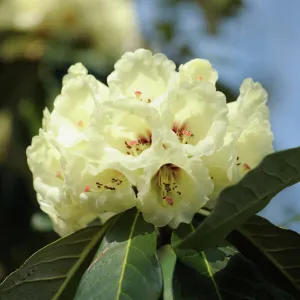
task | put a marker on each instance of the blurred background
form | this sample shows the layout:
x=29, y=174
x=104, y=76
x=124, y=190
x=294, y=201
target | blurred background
x=40, y=39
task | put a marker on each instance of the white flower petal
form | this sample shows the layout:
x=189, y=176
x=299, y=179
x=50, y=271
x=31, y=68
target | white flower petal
x=197, y=114
x=252, y=99
x=258, y=134
x=221, y=166
x=141, y=75
x=198, y=70
x=74, y=107
x=65, y=211
x=103, y=187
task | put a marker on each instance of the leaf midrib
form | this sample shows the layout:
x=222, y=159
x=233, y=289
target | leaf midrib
x=119, y=292
x=208, y=269
x=268, y=256
x=84, y=254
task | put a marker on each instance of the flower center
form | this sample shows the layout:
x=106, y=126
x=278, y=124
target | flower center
x=138, y=95
x=243, y=167
x=167, y=182
x=59, y=175
x=80, y=124
x=184, y=135
x=136, y=147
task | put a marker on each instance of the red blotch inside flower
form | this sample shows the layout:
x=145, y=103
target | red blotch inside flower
x=132, y=143
x=138, y=94
x=170, y=201
x=186, y=132
x=80, y=123
x=87, y=188
x=247, y=167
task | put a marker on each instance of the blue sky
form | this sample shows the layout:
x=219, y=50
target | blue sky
x=262, y=42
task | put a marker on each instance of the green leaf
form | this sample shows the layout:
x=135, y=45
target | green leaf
x=126, y=264
x=274, y=249
x=218, y=274
x=54, y=271
x=239, y=202
x=167, y=259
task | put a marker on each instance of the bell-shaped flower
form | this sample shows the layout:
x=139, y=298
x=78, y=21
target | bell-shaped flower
x=172, y=187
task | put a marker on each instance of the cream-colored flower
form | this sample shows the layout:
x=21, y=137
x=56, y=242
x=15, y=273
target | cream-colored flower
x=142, y=76
x=198, y=70
x=172, y=187
x=62, y=136
x=248, y=140
x=74, y=106
x=104, y=185
x=249, y=119
x=197, y=115
x=160, y=140
x=64, y=209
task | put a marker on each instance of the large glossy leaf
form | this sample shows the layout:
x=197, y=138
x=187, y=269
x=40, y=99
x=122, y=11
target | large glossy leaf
x=167, y=259
x=240, y=201
x=54, y=271
x=126, y=264
x=218, y=274
x=276, y=250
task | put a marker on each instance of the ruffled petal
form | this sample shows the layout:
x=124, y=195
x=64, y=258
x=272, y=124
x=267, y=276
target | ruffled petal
x=142, y=76
x=197, y=114
x=198, y=70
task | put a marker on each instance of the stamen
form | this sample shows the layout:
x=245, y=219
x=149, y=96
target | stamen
x=138, y=94
x=184, y=135
x=111, y=185
x=136, y=147
x=167, y=182
x=80, y=123
x=58, y=175
x=247, y=167
x=169, y=200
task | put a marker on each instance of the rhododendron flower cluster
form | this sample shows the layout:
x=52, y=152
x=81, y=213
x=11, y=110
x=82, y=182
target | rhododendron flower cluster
x=161, y=140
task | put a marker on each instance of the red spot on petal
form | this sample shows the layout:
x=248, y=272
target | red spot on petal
x=200, y=77
x=87, y=188
x=138, y=93
x=247, y=167
x=170, y=201
x=80, y=123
